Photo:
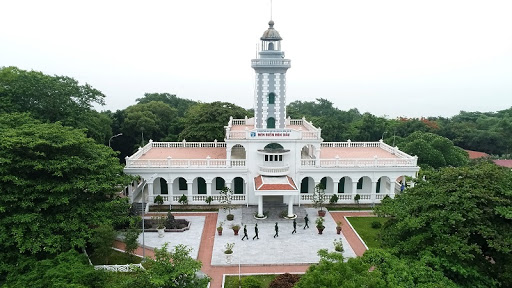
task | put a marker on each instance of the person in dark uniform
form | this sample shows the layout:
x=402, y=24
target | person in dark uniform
x=306, y=220
x=277, y=231
x=294, y=226
x=256, y=232
x=245, y=233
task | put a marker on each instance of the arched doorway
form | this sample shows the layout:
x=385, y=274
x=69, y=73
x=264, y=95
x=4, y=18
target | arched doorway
x=271, y=122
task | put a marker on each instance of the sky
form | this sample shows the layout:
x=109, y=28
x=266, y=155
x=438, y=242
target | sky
x=410, y=58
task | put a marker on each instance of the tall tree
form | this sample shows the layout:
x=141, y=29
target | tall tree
x=457, y=220
x=180, y=104
x=51, y=99
x=432, y=150
x=206, y=121
x=56, y=185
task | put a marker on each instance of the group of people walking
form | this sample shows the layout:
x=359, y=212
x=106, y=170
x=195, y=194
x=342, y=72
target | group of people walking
x=276, y=228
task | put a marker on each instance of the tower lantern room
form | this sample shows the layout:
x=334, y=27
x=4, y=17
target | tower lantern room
x=270, y=88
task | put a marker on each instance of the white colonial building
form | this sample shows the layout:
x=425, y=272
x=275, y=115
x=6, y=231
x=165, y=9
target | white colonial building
x=268, y=158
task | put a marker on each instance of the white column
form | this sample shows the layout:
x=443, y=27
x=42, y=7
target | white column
x=260, y=206
x=373, y=191
x=354, y=189
x=150, y=193
x=209, y=188
x=169, y=190
x=290, y=206
x=189, y=190
x=335, y=187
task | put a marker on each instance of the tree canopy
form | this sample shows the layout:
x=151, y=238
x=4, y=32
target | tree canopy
x=458, y=221
x=376, y=268
x=206, y=121
x=56, y=184
x=432, y=150
x=53, y=98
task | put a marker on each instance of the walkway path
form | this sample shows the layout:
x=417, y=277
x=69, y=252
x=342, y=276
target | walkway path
x=217, y=272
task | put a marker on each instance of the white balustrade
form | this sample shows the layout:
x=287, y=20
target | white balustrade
x=119, y=268
x=273, y=171
x=184, y=163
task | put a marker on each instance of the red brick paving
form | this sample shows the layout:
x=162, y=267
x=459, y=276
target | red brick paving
x=216, y=272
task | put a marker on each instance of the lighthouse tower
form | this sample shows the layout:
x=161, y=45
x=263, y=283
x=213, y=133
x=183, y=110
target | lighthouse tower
x=270, y=91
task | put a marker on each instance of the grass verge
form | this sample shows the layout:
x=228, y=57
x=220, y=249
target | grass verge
x=363, y=226
x=232, y=281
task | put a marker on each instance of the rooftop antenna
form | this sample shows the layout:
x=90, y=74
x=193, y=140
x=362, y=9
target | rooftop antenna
x=270, y=9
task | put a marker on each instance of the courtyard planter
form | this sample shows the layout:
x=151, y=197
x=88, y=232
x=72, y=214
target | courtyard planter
x=320, y=229
x=338, y=230
x=161, y=232
x=321, y=213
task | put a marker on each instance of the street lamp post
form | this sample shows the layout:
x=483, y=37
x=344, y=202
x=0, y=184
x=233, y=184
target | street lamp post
x=151, y=179
x=117, y=135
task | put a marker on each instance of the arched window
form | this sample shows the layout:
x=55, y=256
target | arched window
x=271, y=98
x=201, y=186
x=270, y=46
x=271, y=122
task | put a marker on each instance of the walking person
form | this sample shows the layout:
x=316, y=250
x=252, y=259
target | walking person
x=306, y=220
x=277, y=231
x=245, y=233
x=256, y=232
x=294, y=226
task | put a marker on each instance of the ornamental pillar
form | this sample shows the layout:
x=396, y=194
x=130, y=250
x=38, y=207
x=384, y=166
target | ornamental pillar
x=260, y=206
x=290, y=206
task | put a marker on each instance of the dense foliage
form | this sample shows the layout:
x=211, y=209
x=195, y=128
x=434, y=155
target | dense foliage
x=68, y=269
x=458, y=221
x=376, y=268
x=180, y=272
x=54, y=98
x=56, y=185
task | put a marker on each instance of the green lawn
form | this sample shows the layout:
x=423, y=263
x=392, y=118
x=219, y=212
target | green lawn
x=232, y=281
x=363, y=226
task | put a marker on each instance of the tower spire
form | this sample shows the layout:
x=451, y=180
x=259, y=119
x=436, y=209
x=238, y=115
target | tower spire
x=270, y=9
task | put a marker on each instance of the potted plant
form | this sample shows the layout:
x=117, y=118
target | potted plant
x=338, y=245
x=356, y=198
x=208, y=200
x=334, y=199
x=219, y=228
x=338, y=227
x=235, y=228
x=228, y=251
x=225, y=200
x=160, y=227
x=183, y=200
x=319, y=199
x=320, y=224
x=159, y=200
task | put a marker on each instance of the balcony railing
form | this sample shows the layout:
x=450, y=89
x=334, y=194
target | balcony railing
x=185, y=163
x=347, y=198
x=358, y=162
x=274, y=171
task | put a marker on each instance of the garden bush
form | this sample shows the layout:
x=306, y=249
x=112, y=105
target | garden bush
x=251, y=282
x=285, y=280
x=376, y=225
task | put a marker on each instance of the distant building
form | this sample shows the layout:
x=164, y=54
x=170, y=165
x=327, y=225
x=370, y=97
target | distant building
x=269, y=158
x=476, y=154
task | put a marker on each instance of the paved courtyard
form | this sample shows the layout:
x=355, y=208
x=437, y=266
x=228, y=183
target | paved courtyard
x=299, y=248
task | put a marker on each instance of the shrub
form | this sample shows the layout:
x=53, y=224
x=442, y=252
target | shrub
x=183, y=200
x=334, y=199
x=251, y=282
x=285, y=280
x=376, y=225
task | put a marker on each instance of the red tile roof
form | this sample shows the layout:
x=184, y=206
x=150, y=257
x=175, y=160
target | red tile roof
x=504, y=163
x=268, y=183
x=476, y=154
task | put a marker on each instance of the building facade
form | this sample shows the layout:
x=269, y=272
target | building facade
x=268, y=158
